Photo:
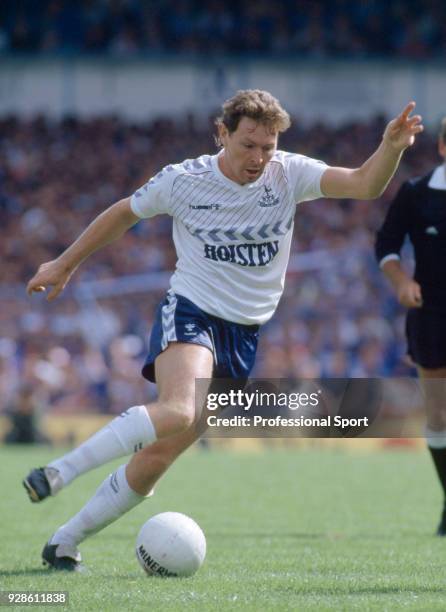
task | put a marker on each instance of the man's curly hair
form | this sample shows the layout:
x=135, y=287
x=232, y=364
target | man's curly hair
x=255, y=104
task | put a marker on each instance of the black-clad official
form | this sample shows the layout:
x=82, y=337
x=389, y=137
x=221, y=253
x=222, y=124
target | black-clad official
x=419, y=212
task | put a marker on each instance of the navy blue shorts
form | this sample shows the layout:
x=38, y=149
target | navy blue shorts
x=177, y=319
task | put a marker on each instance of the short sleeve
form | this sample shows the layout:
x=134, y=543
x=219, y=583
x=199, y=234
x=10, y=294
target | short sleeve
x=304, y=175
x=154, y=198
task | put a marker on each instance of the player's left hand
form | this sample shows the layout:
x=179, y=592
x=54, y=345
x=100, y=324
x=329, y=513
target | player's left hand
x=401, y=131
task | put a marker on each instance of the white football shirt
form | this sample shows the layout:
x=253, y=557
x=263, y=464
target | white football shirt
x=232, y=241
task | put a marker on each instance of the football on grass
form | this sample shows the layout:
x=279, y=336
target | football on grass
x=170, y=544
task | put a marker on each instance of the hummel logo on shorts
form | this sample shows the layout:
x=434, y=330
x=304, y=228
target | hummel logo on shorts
x=190, y=329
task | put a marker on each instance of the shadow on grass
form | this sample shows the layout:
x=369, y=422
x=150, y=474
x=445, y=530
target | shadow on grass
x=327, y=535
x=264, y=534
x=393, y=590
x=250, y=535
x=27, y=571
x=362, y=591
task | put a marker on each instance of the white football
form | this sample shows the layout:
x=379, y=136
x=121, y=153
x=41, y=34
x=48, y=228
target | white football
x=170, y=544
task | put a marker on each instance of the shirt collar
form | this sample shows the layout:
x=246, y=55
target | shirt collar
x=438, y=178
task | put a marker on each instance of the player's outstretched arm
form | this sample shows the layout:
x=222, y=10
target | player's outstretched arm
x=370, y=180
x=107, y=226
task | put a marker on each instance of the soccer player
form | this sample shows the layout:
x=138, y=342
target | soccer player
x=419, y=211
x=233, y=216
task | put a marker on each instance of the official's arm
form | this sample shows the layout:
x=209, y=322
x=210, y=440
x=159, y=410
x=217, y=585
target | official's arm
x=389, y=241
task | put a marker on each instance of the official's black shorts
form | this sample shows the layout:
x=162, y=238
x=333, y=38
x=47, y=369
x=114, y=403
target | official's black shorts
x=426, y=337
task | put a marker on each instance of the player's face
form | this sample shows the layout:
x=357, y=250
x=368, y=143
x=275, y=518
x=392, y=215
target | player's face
x=247, y=150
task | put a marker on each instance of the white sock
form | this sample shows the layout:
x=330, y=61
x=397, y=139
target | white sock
x=112, y=499
x=128, y=433
x=435, y=439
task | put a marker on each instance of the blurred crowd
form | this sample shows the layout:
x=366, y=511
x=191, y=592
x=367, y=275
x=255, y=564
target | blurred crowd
x=84, y=351
x=297, y=28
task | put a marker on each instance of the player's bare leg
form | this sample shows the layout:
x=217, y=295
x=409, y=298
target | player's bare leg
x=137, y=427
x=148, y=465
x=434, y=385
x=115, y=496
x=176, y=370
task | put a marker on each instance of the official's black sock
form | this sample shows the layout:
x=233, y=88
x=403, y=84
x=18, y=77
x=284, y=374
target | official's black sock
x=436, y=443
x=439, y=459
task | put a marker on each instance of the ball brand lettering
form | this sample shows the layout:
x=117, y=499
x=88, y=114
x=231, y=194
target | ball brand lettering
x=247, y=254
x=152, y=567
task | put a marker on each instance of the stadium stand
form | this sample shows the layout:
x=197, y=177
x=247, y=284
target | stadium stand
x=342, y=28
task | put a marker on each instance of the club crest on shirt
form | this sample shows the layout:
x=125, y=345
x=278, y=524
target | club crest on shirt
x=268, y=199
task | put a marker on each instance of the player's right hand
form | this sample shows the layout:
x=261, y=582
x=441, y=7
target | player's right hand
x=409, y=294
x=50, y=274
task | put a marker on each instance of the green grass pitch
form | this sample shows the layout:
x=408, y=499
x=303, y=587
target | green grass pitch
x=286, y=530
